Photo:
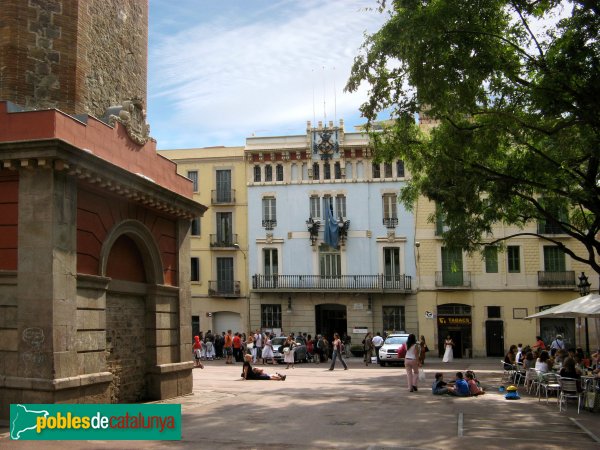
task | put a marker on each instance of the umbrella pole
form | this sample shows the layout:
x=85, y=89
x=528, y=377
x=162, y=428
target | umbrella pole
x=587, y=336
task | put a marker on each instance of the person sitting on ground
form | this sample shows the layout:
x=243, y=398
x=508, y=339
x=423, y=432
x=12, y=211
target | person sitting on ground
x=439, y=386
x=461, y=387
x=570, y=371
x=543, y=363
x=256, y=373
x=473, y=376
x=474, y=388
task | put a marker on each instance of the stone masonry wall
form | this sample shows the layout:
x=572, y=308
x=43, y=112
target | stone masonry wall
x=80, y=56
x=126, y=347
x=115, y=47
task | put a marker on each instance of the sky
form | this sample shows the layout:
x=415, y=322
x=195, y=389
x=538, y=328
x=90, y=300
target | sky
x=220, y=71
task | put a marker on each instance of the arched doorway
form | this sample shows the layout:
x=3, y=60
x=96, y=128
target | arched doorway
x=331, y=318
x=130, y=257
x=454, y=320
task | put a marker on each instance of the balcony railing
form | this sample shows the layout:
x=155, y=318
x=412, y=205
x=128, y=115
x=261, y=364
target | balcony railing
x=217, y=240
x=455, y=280
x=390, y=222
x=549, y=228
x=222, y=196
x=229, y=288
x=564, y=279
x=362, y=283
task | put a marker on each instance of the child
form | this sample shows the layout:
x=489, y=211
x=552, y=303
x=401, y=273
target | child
x=440, y=387
x=197, y=349
x=474, y=389
x=461, y=387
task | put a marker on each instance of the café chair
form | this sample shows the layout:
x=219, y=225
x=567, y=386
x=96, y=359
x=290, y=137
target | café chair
x=520, y=375
x=568, y=389
x=509, y=371
x=532, y=380
x=549, y=383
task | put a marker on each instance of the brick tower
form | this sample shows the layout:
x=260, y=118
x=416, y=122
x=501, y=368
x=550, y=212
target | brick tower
x=79, y=56
x=95, y=303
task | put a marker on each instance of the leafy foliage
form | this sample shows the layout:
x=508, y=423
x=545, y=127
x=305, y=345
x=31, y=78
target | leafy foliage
x=513, y=88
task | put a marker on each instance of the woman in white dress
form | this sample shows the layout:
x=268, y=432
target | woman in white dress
x=267, y=351
x=449, y=353
x=288, y=357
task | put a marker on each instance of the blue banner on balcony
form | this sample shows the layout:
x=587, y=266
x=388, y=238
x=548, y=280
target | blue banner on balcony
x=331, y=229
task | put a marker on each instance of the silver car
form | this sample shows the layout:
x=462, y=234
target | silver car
x=300, y=353
x=388, y=353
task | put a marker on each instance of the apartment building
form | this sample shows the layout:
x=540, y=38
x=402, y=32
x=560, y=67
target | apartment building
x=482, y=300
x=219, y=246
x=330, y=248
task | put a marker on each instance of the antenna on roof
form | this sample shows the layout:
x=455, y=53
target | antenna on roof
x=334, y=99
x=313, y=86
x=324, y=103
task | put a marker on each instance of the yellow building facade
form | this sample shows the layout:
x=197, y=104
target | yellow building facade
x=219, y=242
x=481, y=300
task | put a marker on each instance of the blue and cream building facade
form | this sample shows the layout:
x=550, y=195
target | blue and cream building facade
x=330, y=249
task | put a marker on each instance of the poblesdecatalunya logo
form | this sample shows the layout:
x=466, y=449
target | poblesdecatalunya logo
x=90, y=422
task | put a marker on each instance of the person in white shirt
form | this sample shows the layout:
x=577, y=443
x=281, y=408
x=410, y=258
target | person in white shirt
x=557, y=344
x=377, y=343
x=258, y=345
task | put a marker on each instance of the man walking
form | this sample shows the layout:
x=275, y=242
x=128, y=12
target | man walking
x=377, y=344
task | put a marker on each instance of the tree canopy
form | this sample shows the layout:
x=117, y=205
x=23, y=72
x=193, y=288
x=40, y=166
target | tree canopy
x=514, y=90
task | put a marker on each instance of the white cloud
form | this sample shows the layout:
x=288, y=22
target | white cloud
x=226, y=75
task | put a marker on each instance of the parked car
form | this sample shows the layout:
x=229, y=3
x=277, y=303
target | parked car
x=300, y=353
x=388, y=353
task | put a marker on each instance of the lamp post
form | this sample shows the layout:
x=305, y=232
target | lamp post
x=584, y=289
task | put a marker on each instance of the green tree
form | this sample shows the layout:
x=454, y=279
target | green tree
x=513, y=88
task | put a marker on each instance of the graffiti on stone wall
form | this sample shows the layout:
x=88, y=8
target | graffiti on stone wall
x=33, y=357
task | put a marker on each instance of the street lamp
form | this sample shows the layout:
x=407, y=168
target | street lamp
x=584, y=289
x=237, y=247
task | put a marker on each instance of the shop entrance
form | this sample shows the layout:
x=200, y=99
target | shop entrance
x=454, y=320
x=329, y=319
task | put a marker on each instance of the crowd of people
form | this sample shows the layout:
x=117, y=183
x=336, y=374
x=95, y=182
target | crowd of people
x=232, y=347
x=555, y=358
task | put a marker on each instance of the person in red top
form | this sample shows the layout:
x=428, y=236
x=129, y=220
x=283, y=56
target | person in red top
x=228, y=347
x=197, y=350
x=237, y=347
x=539, y=345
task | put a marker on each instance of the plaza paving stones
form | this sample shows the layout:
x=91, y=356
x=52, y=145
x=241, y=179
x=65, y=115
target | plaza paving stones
x=361, y=408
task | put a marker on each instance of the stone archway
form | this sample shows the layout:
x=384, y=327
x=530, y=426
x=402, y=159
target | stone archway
x=130, y=257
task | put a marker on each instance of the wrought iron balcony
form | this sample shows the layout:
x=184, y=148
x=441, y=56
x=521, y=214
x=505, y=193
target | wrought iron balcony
x=564, y=279
x=269, y=224
x=352, y=283
x=222, y=196
x=549, y=228
x=224, y=288
x=218, y=240
x=453, y=280
x=390, y=222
